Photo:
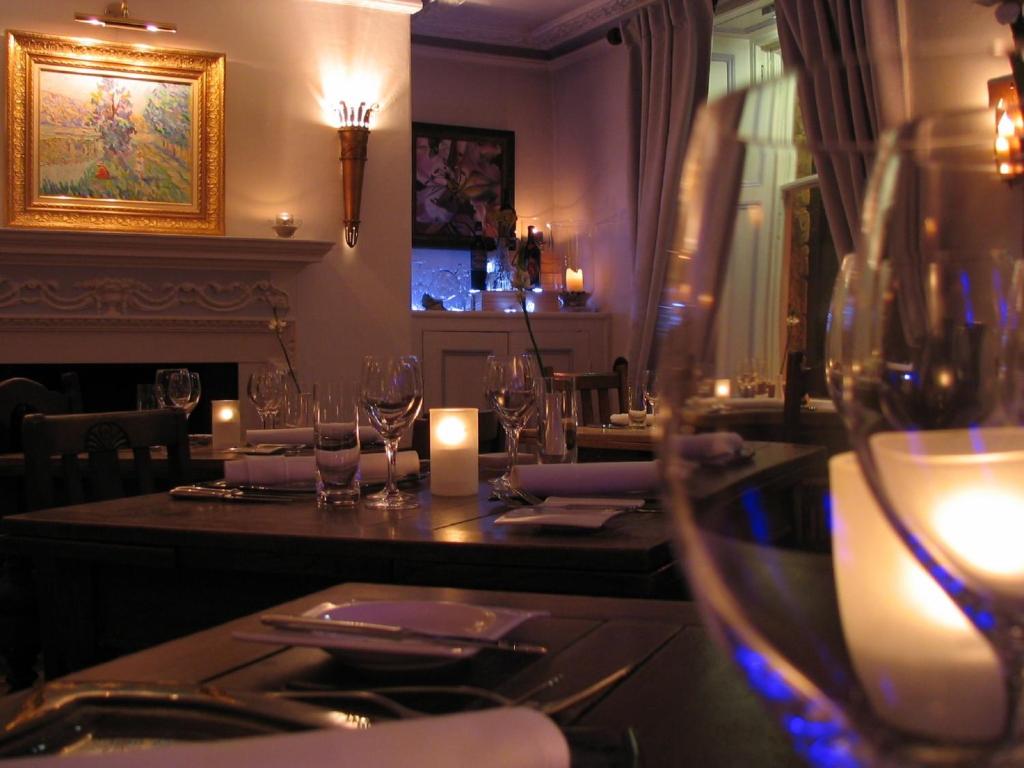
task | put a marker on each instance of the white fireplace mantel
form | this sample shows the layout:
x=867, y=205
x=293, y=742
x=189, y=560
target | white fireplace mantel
x=116, y=249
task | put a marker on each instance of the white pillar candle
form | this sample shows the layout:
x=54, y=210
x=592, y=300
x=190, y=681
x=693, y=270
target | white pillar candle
x=723, y=388
x=574, y=280
x=227, y=424
x=454, y=452
x=924, y=667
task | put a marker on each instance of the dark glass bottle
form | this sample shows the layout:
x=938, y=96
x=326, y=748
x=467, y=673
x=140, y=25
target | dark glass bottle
x=532, y=253
x=478, y=260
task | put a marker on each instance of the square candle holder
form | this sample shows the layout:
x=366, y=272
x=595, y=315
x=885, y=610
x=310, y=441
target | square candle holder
x=573, y=301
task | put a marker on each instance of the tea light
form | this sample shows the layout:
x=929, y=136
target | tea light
x=574, y=280
x=924, y=667
x=284, y=219
x=723, y=388
x=227, y=424
x=454, y=452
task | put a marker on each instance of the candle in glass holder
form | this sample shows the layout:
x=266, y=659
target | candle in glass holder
x=454, y=452
x=227, y=424
x=284, y=219
x=723, y=388
x=574, y=280
x=924, y=667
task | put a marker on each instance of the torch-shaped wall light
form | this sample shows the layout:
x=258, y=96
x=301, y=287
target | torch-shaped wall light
x=353, y=134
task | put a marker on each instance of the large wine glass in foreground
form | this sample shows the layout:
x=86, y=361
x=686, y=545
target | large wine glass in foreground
x=864, y=656
x=510, y=383
x=391, y=393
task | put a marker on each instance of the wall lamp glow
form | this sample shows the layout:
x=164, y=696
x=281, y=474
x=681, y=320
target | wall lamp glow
x=117, y=16
x=353, y=135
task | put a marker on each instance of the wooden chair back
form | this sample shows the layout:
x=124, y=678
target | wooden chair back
x=101, y=437
x=600, y=394
x=20, y=397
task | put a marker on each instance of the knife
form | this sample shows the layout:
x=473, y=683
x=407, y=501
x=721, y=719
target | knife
x=368, y=629
x=228, y=494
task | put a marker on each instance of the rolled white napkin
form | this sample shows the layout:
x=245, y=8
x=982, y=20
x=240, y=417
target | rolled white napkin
x=280, y=470
x=708, y=445
x=503, y=737
x=622, y=419
x=740, y=403
x=300, y=435
x=499, y=461
x=578, y=479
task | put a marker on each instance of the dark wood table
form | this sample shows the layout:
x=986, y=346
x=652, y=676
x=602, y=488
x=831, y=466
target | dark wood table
x=120, y=575
x=684, y=702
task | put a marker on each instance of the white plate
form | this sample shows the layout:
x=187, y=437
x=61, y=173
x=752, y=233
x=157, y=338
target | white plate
x=436, y=617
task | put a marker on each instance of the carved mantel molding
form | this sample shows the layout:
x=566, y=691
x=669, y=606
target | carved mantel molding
x=117, y=249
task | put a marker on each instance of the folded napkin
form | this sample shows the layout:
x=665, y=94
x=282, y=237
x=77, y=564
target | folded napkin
x=280, y=470
x=504, y=737
x=739, y=403
x=300, y=436
x=622, y=419
x=708, y=446
x=578, y=479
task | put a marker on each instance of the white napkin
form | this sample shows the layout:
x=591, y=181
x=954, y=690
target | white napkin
x=499, y=461
x=279, y=470
x=622, y=419
x=570, y=511
x=300, y=436
x=740, y=403
x=504, y=737
x=708, y=445
x=597, y=477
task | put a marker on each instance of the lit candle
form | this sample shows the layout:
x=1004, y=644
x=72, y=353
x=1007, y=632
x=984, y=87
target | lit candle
x=924, y=667
x=227, y=424
x=723, y=388
x=454, y=452
x=285, y=219
x=574, y=280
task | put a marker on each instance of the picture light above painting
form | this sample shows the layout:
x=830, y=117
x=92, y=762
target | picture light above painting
x=114, y=137
x=460, y=176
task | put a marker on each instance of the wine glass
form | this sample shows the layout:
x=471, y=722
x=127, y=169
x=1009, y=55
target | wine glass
x=266, y=389
x=183, y=390
x=859, y=659
x=932, y=392
x=649, y=387
x=510, y=383
x=391, y=393
x=162, y=385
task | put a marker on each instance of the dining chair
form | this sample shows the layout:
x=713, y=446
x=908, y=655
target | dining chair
x=20, y=397
x=100, y=437
x=600, y=393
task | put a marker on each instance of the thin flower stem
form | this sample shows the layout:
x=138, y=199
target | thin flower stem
x=284, y=349
x=529, y=328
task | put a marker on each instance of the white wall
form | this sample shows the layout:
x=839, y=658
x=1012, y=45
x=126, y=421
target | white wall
x=281, y=154
x=592, y=173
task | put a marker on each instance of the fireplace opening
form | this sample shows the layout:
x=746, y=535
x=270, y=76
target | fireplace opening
x=114, y=386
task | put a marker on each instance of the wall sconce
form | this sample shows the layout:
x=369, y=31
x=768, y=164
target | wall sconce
x=117, y=15
x=1007, y=147
x=353, y=135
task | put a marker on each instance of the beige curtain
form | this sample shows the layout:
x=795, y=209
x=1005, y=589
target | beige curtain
x=669, y=45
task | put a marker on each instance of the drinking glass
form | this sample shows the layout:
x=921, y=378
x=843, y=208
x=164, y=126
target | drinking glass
x=649, y=386
x=266, y=390
x=391, y=393
x=636, y=407
x=297, y=407
x=556, y=422
x=510, y=383
x=336, y=444
x=184, y=390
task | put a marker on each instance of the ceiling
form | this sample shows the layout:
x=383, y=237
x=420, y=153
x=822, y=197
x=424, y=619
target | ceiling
x=535, y=29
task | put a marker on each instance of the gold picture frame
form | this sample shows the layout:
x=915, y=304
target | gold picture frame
x=102, y=136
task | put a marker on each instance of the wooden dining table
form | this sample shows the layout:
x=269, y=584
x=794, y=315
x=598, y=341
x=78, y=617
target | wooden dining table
x=680, y=701
x=119, y=575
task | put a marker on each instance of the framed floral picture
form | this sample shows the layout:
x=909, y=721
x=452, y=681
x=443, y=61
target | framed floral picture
x=460, y=175
x=114, y=137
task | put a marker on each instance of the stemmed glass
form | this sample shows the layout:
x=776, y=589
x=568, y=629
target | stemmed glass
x=649, y=387
x=266, y=389
x=391, y=393
x=163, y=382
x=183, y=390
x=510, y=386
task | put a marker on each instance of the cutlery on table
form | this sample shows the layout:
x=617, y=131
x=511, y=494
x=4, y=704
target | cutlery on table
x=230, y=494
x=369, y=629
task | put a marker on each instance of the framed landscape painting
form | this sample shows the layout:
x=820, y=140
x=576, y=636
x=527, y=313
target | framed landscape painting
x=460, y=176
x=111, y=137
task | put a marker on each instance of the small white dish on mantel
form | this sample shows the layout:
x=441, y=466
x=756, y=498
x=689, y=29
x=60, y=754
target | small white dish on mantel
x=386, y=653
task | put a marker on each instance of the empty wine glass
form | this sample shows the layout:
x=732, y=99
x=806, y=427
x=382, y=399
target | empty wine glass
x=266, y=389
x=510, y=386
x=391, y=393
x=184, y=390
x=162, y=385
x=649, y=387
